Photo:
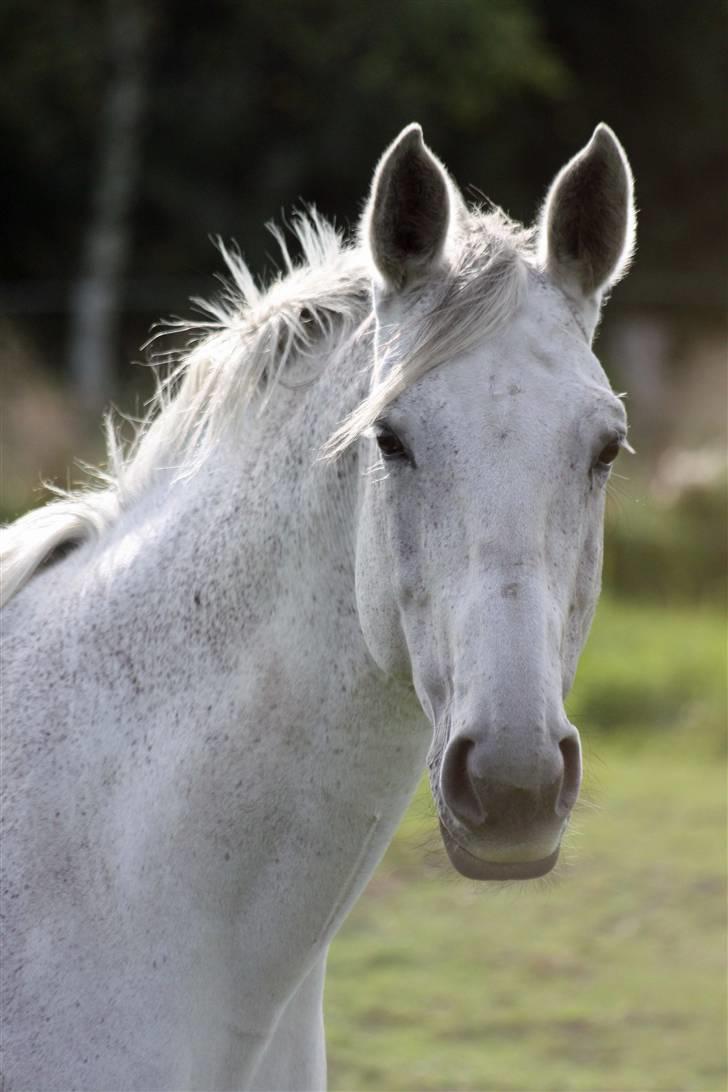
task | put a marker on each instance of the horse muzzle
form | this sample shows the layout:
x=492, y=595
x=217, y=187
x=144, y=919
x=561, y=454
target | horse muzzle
x=503, y=817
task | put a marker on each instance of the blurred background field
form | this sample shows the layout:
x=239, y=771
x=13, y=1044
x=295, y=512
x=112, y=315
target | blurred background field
x=133, y=132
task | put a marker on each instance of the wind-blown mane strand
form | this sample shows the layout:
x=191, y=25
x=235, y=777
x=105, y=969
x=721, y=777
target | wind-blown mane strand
x=245, y=340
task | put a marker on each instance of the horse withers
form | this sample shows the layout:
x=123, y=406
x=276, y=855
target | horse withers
x=360, y=532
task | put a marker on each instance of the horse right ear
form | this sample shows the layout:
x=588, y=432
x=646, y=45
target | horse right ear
x=410, y=211
x=587, y=233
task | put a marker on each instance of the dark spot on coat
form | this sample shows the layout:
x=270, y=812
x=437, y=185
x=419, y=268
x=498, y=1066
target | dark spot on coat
x=509, y=591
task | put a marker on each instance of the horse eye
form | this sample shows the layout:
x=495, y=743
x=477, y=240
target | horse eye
x=609, y=453
x=390, y=445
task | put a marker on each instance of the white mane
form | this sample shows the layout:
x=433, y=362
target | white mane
x=246, y=341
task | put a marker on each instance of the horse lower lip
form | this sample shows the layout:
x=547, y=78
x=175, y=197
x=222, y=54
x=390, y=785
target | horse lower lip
x=474, y=868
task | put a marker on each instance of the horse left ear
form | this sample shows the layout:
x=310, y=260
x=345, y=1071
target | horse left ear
x=410, y=212
x=587, y=233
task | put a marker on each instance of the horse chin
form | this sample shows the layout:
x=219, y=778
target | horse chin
x=475, y=868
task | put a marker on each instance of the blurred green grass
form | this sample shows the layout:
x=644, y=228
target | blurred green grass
x=608, y=975
x=654, y=675
x=672, y=548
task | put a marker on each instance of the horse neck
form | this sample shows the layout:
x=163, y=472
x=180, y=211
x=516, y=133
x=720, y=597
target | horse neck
x=215, y=710
x=278, y=721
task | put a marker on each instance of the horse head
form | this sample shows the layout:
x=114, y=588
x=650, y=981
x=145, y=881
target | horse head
x=488, y=437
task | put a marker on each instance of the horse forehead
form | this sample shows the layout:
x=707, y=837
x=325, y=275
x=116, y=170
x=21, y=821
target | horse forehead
x=524, y=376
x=544, y=347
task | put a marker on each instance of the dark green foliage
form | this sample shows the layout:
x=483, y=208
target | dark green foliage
x=251, y=106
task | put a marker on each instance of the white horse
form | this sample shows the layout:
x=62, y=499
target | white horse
x=364, y=524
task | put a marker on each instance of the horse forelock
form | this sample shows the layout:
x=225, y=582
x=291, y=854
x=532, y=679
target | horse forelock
x=478, y=292
x=244, y=342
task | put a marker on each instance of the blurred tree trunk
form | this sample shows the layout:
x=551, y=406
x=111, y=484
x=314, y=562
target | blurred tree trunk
x=97, y=296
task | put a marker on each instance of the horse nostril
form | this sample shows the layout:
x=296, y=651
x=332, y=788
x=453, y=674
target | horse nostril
x=571, y=755
x=457, y=786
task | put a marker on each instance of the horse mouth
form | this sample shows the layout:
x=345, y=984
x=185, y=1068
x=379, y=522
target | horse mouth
x=475, y=868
